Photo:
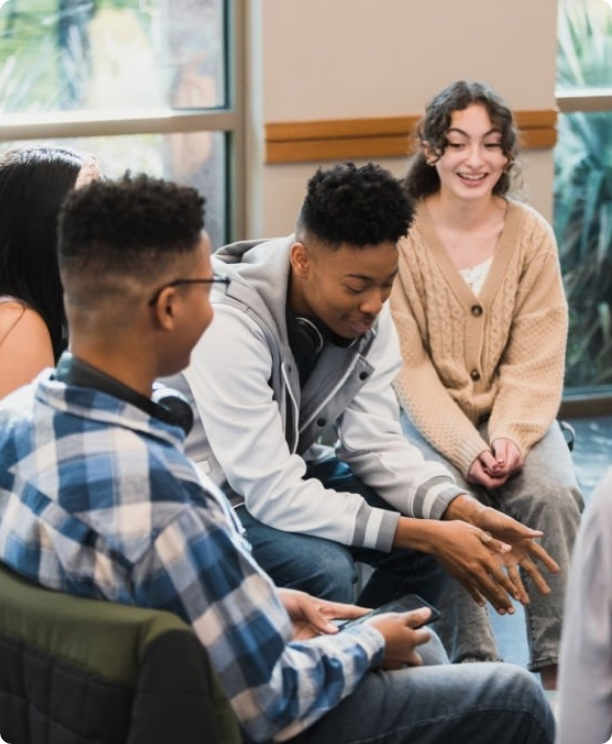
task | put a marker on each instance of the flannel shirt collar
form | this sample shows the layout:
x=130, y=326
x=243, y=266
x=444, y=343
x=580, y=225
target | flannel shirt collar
x=98, y=406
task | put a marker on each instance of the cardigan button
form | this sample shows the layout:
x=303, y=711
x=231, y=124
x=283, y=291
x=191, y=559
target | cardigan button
x=475, y=375
x=476, y=310
x=321, y=422
x=363, y=375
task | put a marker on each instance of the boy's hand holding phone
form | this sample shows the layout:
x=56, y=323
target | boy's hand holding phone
x=399, y=621
x=402, y=632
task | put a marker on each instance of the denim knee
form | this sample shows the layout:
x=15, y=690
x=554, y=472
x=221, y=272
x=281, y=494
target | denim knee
x=331, y=574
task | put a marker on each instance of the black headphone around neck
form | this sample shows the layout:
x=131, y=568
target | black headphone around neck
x=305, y=337
x=165, y=404
x=308, y=337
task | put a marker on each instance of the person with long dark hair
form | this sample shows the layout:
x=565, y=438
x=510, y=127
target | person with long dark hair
x=482, y=320
x=33, y=183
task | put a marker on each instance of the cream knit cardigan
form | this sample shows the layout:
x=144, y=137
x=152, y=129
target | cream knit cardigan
x=500, y=355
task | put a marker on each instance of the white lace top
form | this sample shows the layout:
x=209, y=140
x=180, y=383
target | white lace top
x=475, y=276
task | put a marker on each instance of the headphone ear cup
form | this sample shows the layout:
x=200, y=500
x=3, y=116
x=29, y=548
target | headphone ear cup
x=175, y=408
x=305, y=338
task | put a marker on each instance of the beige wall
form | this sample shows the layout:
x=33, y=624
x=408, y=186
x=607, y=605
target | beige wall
x=338, y=59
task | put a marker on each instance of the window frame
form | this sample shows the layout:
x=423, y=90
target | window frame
x=578, y=401
x=228, y=119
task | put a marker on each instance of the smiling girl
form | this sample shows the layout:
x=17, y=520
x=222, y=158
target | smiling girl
x=482, y=318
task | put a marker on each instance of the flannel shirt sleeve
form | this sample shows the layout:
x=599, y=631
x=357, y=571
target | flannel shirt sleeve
x=200, y=568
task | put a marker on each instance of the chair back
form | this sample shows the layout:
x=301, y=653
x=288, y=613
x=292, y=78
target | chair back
x=76, y=670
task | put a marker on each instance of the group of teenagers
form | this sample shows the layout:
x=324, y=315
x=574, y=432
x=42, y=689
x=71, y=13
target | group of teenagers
x=380, y=388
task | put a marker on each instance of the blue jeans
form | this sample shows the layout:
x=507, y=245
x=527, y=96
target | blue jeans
x=327, y=569
x=443, y=704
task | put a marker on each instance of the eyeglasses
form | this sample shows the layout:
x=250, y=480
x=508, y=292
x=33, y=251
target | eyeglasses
x=216, y=279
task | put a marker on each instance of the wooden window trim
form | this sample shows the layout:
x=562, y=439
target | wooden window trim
x=383, y=137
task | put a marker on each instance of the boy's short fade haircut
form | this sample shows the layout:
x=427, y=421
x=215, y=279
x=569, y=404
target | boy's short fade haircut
x=353, y=205
x=136, y=225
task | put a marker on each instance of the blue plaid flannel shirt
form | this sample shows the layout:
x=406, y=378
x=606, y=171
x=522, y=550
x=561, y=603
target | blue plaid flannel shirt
x=98, y=499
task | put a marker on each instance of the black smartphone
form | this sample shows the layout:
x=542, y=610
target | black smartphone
x=401, y=604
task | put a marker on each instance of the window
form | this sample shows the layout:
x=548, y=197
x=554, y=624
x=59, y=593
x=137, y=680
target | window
x=148, y=85
x=583, y=187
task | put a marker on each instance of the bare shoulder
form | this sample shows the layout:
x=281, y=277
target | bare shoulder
x=21, y=321
x=25, y=346
x=10, y=311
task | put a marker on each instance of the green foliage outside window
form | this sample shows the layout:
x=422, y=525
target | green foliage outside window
x=28, y=56
x=583, y=192
x=45, y=51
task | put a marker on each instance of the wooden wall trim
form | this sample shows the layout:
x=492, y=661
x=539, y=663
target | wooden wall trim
x=382, y=137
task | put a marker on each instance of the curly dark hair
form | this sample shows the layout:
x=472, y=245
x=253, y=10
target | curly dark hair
x=352, y=205
x=422, y=179
x=33, y=182
x=133, y=226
